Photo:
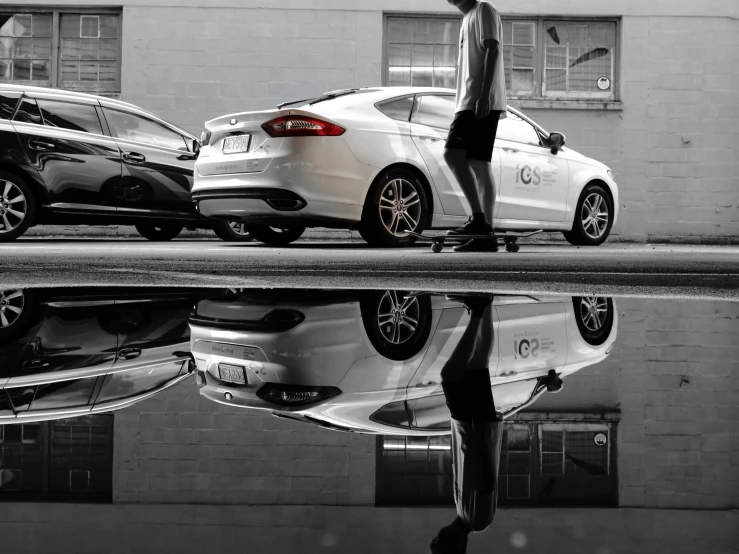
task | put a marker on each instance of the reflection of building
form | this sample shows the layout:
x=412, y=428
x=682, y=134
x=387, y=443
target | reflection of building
x=619, y=80
x=674, y=442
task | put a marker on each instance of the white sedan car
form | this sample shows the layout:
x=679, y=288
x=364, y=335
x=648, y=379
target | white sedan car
x=370, y=362
x=371, y=159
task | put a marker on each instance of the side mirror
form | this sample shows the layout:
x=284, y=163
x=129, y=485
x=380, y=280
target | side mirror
x=556, y=142
x=195, y=146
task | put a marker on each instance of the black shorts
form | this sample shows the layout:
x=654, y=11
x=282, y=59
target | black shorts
x=476, y=136
x=471, y=397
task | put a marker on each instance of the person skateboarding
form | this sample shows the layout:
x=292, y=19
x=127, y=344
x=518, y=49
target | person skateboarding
x=477, y=429
x=481, y=103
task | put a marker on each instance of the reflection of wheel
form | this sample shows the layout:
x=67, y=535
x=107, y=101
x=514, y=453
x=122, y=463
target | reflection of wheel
x=158, y=232
x=594, y=316
x=16, y=306
x=231, y=231
x=276, y=236
x=396, y=205
x=17, y=206
x=593, y=217
x=397, y=325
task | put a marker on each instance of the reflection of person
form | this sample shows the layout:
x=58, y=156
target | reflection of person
x=476, y=430
x=481, y=102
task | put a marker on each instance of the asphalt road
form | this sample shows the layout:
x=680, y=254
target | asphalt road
x=617, y=269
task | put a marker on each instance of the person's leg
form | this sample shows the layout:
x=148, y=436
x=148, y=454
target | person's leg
x=476, y=345
x=486, y=186
x=460, y=166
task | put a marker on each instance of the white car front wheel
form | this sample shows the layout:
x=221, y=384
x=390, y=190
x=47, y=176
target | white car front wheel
x=593, y=217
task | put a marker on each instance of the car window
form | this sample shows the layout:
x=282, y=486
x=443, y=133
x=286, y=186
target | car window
x=135, y=128
x=6, y=408
x=28, y=112
x=8, y=101
x=435, y=110
x=137, y=381
x=518, y=130
x=394, y=414
x=399, y=109
x=75, y=117
x=63, y=394
x=431, y=412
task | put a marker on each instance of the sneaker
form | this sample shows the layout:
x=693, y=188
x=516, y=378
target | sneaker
x=473, y=227
x=478, y=245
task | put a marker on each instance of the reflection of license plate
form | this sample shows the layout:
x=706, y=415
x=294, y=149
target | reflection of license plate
x=239, y=143
x=232, y=374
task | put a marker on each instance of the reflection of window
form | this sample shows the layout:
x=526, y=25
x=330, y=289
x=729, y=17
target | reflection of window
x=139, y=129
x=435, y=111
x=77, y=117
x=541, y=464
x=70, y=459
x=88, y=57
x=137, y=381
x=421, y=51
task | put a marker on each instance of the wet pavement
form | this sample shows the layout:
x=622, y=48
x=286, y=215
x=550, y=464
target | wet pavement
x=143, y=419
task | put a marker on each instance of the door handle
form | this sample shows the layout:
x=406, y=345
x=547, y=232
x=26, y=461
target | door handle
x=430, y=138
x=426, y=384
x=513, y=150
x=129, y=353
x=188, y=156
x=41, y=145
x=36, y=364
x=134, y=157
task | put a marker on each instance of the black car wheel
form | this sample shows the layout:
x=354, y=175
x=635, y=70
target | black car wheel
x=232, y=231
x=158, y=232
x=17, y=206
x=276, y=236
x=396, y=205
x=397, y=325
x=594, y=317
x=16, y=306
x=593, y=217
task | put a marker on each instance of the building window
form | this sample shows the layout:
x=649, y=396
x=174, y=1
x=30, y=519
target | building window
x=543, y=58
x=75, y=50
x=541, y=464
x=62, y=460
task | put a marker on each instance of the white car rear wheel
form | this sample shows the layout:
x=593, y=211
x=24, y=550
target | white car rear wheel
x=396, y=206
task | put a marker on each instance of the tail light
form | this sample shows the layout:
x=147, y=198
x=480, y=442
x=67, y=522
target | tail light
x=295, y=395
x=205, y=137
x=301, y=126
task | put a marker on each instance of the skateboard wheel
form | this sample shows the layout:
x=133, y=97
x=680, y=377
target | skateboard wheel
x=512, y=247
x=436, y=247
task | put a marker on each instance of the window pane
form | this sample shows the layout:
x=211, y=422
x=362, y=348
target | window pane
x=76, y=117
x=522, y=80
x=423, y=55
x=399, y=55
x=27, y=57
x=556, y=80
x=399, y=76
x=137, y=381
x=86, y=41
x=28, y=112
x=138, y=129
x=523, y=33
x=446, y=32
x=64, y=394
x=423, y=31
x=516, y=129
x=436, y=111
x=398, y=109
x=8, y=102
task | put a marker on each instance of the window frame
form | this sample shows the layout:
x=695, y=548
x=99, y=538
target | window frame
x=148, y=117
x=537, y=96
x=92, y=87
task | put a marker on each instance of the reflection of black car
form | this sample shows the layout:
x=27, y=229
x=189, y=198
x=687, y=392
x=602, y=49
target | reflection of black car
x=73, y=158
x=80, y=351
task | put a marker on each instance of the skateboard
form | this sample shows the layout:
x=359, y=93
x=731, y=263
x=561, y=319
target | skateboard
x=510, y=240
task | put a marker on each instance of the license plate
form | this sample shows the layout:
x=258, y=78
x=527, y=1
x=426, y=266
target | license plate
x=232, y=145
x=232, y=374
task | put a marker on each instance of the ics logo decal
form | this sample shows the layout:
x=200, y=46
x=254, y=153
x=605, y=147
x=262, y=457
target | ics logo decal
x=528, y=175
x=523, y=349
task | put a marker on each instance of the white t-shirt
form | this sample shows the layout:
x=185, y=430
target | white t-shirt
x=481, y=23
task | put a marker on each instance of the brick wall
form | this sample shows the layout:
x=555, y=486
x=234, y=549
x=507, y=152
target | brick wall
x=672, y=374
x=178, y=447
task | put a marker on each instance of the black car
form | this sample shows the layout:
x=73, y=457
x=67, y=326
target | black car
x=73, y=158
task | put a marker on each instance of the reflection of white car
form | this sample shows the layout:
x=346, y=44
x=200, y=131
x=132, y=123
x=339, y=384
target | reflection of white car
x=347, y=363
x=372, y=159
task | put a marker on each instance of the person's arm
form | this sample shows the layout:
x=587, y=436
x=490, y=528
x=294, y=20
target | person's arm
x=490, y=39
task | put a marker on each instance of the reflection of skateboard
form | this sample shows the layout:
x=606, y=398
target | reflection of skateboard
x=509, y=239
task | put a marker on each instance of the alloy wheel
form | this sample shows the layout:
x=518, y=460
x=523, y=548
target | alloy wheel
x=400, y=207
x=13, y=206
x=11, y=307
x=595, y=215
x=398, y=317
x=238, y=227
x=593, y=312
